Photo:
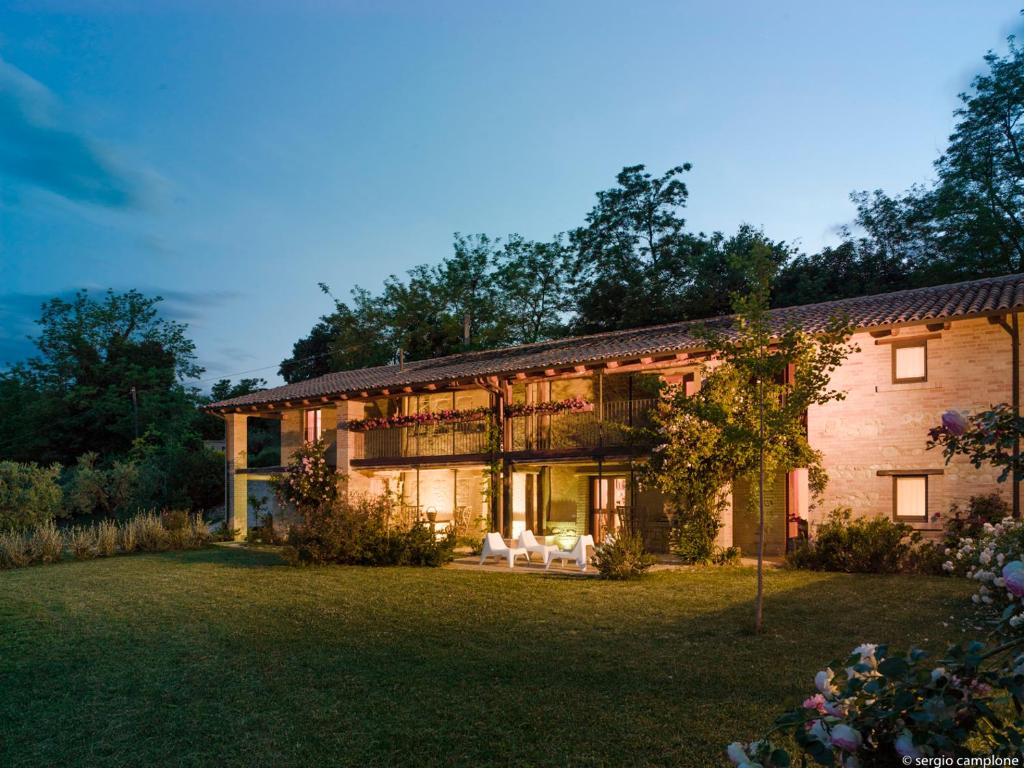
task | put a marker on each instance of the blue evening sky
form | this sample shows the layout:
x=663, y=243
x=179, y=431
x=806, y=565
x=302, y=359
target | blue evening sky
x=230, y=155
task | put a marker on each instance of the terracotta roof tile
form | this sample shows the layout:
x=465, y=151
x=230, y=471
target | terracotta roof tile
x=943, y=302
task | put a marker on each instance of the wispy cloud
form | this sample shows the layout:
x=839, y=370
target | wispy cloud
x=37, y=150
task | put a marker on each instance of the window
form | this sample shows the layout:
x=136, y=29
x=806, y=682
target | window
x=312, y=427
x=909, y=362
x=910, y=497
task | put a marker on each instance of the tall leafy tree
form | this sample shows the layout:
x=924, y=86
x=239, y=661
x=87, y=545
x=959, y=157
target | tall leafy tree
x=970, y=221
x=633, y=254
x=486, y=294
x=107, y=370
x=533, y=281
x=980, y=193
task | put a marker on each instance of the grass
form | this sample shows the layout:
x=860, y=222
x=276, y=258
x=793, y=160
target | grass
x=224, y=657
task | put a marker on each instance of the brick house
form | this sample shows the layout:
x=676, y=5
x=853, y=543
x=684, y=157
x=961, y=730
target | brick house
x=537, y=436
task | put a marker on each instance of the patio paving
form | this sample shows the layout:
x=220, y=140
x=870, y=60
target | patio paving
x=535, y=568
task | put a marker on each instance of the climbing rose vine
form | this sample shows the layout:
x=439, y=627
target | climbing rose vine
x=309, y=482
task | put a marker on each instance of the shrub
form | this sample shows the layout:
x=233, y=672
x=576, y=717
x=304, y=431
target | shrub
x=622, y=557
x=81, y=540
x=422, y=548
x=969, y=521
x=90, y=489
x=357, y=533
x=106, y=538
x=29, y=495
x=176, y=528
x=46, y=545
x=727, y=556
x=14, y=549
x=861, y=545
x=199, y=531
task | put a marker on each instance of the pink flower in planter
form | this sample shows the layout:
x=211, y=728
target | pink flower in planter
x=1013, y=578
x=954, y=423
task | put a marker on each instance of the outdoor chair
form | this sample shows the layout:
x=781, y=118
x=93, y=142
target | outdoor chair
x=495, y=546
x=529, y=542
x=577, y=553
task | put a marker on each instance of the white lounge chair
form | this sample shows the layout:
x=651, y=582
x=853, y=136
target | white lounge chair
x=495, y=546
x=529, y=542
x=577, y=553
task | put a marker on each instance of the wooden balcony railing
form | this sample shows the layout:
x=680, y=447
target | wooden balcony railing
x=604, y=427
x=608, y=426
x=449, y=439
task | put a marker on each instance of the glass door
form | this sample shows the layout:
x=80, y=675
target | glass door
x=609, y=498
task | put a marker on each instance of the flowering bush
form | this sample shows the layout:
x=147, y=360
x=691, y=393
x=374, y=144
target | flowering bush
x=994, y=560
x=887, y=709
x=987, y=436
x=309, y=482
x=415, y=419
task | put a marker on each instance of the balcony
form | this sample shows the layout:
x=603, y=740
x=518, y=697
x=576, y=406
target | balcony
x=607, y=426
x=458, y=438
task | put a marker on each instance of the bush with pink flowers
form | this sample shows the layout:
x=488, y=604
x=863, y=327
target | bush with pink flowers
x=309, y=482
x=879, y=709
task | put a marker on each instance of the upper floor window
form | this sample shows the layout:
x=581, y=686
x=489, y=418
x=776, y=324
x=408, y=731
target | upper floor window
x=312, y=424
x=909, y=362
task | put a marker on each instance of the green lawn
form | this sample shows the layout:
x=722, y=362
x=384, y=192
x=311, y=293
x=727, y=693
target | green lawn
x=225, y=657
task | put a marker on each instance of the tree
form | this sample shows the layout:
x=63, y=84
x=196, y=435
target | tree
x=533, y=280
x=980, y=191
x=76, y=394
x=349, y=337
x=633, y=254
x=748, y=417
x=718, y=270
x=970, y=222
x=484, y=295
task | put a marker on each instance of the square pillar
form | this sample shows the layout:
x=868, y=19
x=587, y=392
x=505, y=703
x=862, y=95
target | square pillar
x=236, y=460
x=348, y=446
x=291, y=434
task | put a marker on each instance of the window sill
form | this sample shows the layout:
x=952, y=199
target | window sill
x=909, y=386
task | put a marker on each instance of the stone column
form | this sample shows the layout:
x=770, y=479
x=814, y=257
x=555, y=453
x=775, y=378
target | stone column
x=291, y=434
x=348, y=447
x=236, y=459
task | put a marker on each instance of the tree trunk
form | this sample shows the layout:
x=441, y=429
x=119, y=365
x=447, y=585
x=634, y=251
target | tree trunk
x=759, y=602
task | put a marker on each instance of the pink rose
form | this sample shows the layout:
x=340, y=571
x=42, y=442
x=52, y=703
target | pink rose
x=817, y=701
x=846, y=738
x=1013, y=578
x=954, y=423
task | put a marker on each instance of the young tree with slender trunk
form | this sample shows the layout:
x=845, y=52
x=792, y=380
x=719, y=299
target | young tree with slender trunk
x=747, y=420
